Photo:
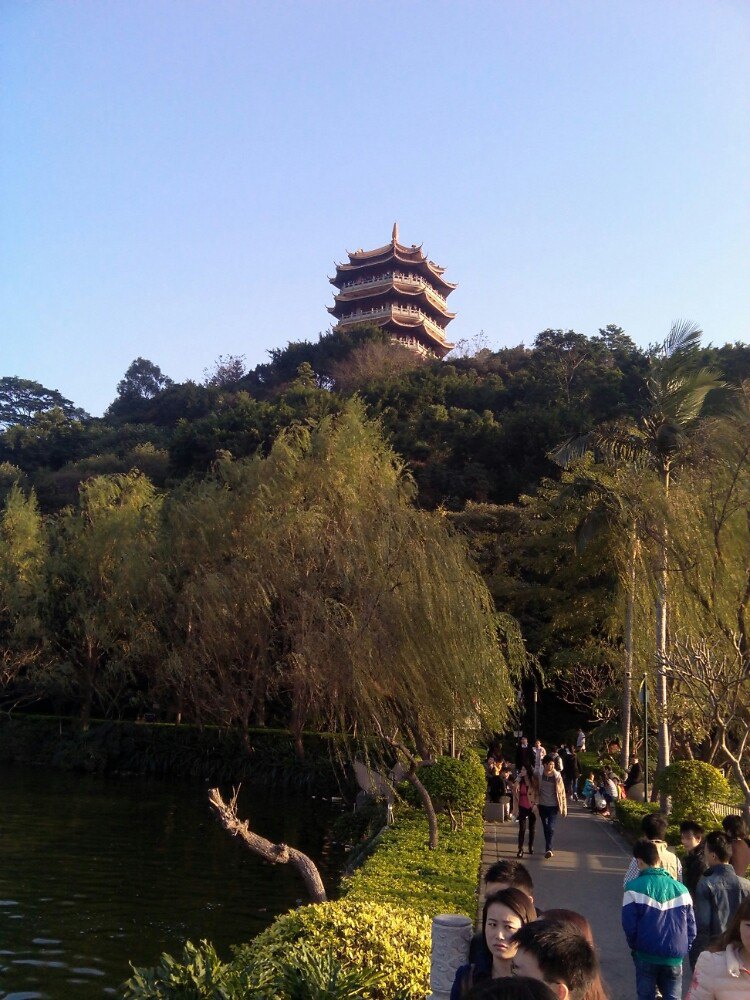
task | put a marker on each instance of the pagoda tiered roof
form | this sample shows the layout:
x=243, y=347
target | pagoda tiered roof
x=396, y=287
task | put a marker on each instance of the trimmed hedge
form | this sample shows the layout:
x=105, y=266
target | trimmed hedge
x=383, y=921
x=630, y=816
x=261, y=755
x=403, y=870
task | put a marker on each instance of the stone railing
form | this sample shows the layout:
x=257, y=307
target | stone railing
x=722, y=809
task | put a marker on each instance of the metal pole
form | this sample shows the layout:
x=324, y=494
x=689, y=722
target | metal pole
x=535, y=711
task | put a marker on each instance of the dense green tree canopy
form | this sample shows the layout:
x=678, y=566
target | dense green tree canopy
x=21, y=400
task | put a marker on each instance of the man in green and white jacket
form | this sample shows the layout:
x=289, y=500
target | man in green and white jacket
x=659, y=924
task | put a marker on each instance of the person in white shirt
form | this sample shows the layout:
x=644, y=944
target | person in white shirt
x=539, y=754
x=654, y=826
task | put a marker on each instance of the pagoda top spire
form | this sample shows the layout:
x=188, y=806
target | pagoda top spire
x=394, y=236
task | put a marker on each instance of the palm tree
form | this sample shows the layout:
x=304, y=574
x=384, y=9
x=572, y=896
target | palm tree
x=676, y=390
x=613, y=516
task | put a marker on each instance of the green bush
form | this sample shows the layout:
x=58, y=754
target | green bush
x=403, y=870
x=630, y=815
x=355, y=827
x=454, y=784
x=391, y=941
x=693, y=787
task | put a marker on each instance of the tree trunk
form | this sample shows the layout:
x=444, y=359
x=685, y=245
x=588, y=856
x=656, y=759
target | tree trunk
x=627, y=692
x=424, y=795
x=736, y=765
x=275, y=853
x=662, y=585
x=87, y=699
x=427, y=805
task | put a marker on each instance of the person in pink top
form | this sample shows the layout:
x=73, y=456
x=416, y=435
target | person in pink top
x=526, y=797
x=723, y=972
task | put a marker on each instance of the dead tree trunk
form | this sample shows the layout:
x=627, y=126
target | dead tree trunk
x=275, y=853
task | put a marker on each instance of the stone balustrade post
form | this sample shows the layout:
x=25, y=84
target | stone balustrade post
x=451, y=937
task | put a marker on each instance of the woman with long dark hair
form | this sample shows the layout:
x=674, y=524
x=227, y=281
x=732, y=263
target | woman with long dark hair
x=736, y=831
x=504, y=913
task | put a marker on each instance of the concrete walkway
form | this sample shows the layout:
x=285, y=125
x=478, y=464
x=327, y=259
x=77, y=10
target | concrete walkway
x=585, y=875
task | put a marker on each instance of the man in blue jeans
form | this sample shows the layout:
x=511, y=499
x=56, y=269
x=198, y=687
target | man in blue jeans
x=658, y=920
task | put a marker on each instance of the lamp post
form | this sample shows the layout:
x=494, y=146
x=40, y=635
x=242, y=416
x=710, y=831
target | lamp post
x=535, y=701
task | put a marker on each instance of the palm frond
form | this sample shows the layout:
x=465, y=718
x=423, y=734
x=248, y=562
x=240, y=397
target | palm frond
x=683, y=338
x=571, y=451
x=615, y=444
x=694, y=394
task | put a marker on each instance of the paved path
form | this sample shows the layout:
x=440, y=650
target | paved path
x=585, y=875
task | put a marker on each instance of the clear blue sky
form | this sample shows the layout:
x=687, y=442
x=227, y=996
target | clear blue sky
x=177, y=177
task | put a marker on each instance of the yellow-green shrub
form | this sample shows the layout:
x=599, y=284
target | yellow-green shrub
x=405, y=872
x=693, y=786
x=392, y=940
x=456, y=784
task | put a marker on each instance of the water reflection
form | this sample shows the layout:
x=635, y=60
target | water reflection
x=100, y=871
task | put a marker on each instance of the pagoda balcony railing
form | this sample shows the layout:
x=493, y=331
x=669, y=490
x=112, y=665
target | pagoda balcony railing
x=362, y=315
x=408, y=279
x=414, y=345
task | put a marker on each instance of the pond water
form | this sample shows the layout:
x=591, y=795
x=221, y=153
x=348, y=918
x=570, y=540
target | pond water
x=97, y=872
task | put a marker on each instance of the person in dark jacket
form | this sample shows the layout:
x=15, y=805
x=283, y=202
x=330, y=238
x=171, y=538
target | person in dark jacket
x=571, y=772
x=659, y=924
x=635, y=774
x=512, y=988
x=719, y=892
x=694, y=862
x=524, y=755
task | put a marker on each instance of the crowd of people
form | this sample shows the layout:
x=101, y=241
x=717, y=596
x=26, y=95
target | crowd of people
x=696, y=909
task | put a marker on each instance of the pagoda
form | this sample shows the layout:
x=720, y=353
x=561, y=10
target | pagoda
x=397, y=288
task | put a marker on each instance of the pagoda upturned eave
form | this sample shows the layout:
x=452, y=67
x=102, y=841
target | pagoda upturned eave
x=436, y=339
x=386, y=290
x=430, y=271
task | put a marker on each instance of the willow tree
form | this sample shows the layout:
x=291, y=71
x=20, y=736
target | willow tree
x=99, y=610
x=23, y=558
x=322, y=594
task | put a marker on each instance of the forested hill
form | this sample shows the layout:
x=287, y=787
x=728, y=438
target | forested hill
x=477, y=427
